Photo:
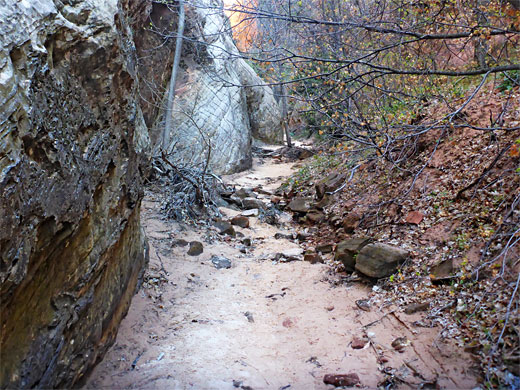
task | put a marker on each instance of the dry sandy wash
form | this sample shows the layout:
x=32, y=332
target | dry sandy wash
x=260, y=324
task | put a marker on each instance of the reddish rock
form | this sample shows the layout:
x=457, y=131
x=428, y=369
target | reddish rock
x=341, y=380
x=288, y=323
x=358, y=343
x=241, y=221
x=414, y=217
x=275, y=199
x=351, y=222
x=325, y=248
x=315, y=216
x=312, y=258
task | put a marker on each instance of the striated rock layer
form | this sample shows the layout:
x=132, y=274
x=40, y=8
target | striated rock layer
x=72, y=141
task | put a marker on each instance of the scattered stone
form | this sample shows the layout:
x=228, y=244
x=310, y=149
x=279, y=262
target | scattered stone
x=196, y=248
x=300, y=204
x=379, y=260
x=414, y=217
x=275, y=199
x=242, y=248
x=288, y=323
x=262, y=191
x=363, y=304
x=351, y=222
x=323, y=202
x=179, y=242
x=280, y=236
x=358, y=343
x=249, y=316
x=315, y=216
x=225, y=227
x=251, y=213
x=335, y=220
x=325, y=248
x=302, y=237
x=347, y=251
x=442, y=272
x=220, y=262
x=246, y=241
x=252, y=203
x=341, y=380
x=243, y=193
x=382, y=359
x=241, y=221
x=400, y=343
x=329, y=308
x=416, y=307
x=312, y=258
x=293, y=254
x=235, y=200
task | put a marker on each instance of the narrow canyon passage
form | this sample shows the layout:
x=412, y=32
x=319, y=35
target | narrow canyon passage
x=260, y=324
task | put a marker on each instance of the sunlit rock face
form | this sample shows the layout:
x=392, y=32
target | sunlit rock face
x=72, y=142
x=220, y=103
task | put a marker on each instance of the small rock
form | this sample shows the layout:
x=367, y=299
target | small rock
x=315, y=216
x=330, y=184
x=251, y=213
x=279, y=236
x=358, y=343
x=225, y=227
x=323, y=202
x=288, y=323
x=300, y=204
x=252, y=203
x=275, y=199
x=400, y=343
x=246, y=241
x=312, y=258
x=180, y=242
x=379, y=260
x=243, y=193
x=302, y=237
x=220, y=262
x=416, y=307
x=325, y=248
x=249, y=316
x=414, y=217
x=241, y=221
x=442, y=271
x=196, y=248
x=329, y=308
x=382, y=359
x=363, y=304
x=341, y=380
x=351, y=222
x=293, y=254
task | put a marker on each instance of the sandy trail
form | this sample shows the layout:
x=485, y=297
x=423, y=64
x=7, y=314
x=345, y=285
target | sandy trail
x=259, y=324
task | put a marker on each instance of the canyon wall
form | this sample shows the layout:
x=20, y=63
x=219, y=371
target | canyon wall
x=73, y=141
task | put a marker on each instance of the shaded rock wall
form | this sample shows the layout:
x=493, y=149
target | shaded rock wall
x=72, y=141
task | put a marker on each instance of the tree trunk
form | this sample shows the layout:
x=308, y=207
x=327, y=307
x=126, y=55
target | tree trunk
x=283, y=93
x=171, y=90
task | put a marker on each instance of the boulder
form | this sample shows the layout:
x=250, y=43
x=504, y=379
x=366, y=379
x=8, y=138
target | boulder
x=348, y=250
x=379, y=260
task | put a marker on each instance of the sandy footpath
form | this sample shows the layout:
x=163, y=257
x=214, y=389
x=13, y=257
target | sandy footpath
x=260, y=324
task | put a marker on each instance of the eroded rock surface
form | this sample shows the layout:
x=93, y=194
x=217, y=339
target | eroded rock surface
x=214, y=117
x=72, y=141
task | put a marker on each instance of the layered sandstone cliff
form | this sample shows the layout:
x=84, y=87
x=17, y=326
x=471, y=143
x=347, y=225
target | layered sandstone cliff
x=72, y=142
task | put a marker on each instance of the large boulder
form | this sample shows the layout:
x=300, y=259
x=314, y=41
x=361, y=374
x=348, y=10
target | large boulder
x=379, y=260
x=214, y=117
x=348, y=250
x=72, y=143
